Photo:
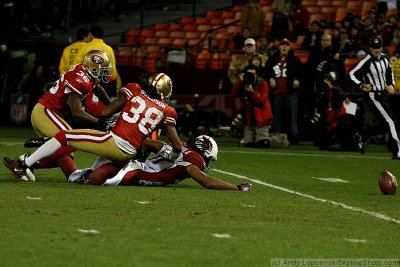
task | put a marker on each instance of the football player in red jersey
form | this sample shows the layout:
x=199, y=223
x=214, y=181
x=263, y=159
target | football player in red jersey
x=142, y=111
x=66, y=96
x=198, y=153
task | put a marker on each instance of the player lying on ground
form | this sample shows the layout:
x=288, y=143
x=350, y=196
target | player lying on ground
x=198, y=153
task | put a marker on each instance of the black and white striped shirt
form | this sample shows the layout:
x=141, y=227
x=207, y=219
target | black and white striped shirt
x=374, y=71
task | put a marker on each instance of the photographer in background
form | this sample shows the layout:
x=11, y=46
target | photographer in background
x=256, y=110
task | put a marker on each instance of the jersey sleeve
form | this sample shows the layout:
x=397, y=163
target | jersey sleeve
x=170, y=116
x=77, y=81
x=130, y=90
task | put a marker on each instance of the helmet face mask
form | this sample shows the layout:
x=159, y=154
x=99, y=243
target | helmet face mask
x=162, y=84
x=98, y=64
x=206, y=146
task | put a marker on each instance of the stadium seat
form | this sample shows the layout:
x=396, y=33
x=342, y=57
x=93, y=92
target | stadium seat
x=123, y=55
x=203, y=28
x=160, y=26
x=175, y=26
x=339, y=3
x=133, y=36
x=349, y=63
x=213, y=14
x=324, y=3
x=216, y=21
x=189, y=27
x=149, y=41
x=227, y=14
x=161, y=33
x=177, y=34
x=179, y=43
x=201, y=20
x=164, y=42
x=192, y=35
x=202, y=60
x=187, y=20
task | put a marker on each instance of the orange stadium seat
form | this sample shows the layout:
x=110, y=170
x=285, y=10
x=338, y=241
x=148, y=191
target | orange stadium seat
x=216, y=21
x=213, y=14
x=192, y=35
x=237, y=8
x=175, y=26
x=161, y=33
x=133, y=36
x=323, y=3
x=189, y=27
x=187, y=20
x=339, y=3
x=149, y=41
x=308, y=2
x=203, y=27
x=160, y=26
x=227, y=14
x=177, y=34
x=179, y=43
x=202, y=60
x=201, y=20
x=349, y=63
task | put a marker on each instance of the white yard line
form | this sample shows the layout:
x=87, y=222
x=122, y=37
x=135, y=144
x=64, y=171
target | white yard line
x=334, y=203
x=333, y=155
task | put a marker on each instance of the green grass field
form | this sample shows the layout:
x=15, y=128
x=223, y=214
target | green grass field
x=292, y=212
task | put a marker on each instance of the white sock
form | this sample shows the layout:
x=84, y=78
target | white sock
x=45, y=150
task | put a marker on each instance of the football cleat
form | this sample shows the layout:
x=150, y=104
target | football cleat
x=17, y=167
x=361, y=145
x=36, y=142
x=28, y=176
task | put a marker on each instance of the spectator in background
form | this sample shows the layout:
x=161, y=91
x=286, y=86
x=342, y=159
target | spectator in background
x=284, y=75
x=239, y=38
x=35, y=84
x=69, y=55
x=337, y=128
x=346, y=46
x=256, y=110
x=281, y=18
x=253, y=18
x=97, y=42
x=240, y=61
x=299, y=18
x=312, y=38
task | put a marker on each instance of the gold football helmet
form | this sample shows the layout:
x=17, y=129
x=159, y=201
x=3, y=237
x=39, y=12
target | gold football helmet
x=98, y=64
x=162, y=83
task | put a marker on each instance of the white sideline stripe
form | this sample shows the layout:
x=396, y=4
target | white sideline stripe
x=339, y=156
x=222, y=235
x=338, y=204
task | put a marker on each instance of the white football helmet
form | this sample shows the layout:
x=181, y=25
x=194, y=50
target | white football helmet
x=98, y=64
x=162, y=83
x=206, y=146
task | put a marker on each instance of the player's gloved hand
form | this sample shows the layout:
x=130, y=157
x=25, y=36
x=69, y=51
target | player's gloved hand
x=244, y=187
x=106, y=125
x=167, y=152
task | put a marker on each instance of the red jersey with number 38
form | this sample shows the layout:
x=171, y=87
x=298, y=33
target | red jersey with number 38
x=140, y=116
x=74, y=81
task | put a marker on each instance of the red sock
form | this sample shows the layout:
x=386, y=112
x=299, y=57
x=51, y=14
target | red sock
x=66, y=164
x=46, y=163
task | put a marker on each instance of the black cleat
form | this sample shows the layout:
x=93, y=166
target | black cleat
x=361, y=145
x=36, y=142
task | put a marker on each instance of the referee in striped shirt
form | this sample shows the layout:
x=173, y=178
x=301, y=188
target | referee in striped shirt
x=374, y=76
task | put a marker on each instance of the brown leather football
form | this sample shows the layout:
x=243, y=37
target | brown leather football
x=387, y=183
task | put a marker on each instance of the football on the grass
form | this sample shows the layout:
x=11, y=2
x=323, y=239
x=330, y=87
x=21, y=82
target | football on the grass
x=387, y=183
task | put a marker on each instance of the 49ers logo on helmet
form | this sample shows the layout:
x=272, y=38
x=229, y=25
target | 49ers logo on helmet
x=97, y=59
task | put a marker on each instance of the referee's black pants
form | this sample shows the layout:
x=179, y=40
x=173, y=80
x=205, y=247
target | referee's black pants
x=378, y=103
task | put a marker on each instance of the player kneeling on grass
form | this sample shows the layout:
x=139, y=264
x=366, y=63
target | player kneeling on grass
x=197, y=155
